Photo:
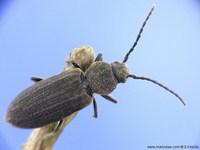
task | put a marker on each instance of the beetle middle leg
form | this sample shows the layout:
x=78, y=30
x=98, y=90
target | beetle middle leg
x=110, y=98
x=95, y=108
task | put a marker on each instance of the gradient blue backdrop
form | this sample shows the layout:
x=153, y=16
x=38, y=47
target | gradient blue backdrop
x=36, y=36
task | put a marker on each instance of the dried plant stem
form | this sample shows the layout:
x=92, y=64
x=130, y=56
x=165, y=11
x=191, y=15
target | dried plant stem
x=38, y=139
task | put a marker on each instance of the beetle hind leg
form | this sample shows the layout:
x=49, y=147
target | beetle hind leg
x=57, y=127
x=55, y=130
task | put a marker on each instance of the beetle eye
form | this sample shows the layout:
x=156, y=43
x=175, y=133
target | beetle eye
x=123, y=80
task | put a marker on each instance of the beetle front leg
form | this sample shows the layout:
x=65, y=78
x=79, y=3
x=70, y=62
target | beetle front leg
x=75, y=64
x=110, y=98
x=95, y=108
x=99, y=57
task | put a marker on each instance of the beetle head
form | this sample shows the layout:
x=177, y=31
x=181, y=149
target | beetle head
x=120, y=71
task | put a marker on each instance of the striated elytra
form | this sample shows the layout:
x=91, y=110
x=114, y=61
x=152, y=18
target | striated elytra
x=52, y=99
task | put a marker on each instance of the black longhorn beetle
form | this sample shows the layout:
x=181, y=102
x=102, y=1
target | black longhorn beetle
x=52, y=99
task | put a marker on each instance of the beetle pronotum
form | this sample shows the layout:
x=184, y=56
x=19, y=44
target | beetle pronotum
x=52, y=99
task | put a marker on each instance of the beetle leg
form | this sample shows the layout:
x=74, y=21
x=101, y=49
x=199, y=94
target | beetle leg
x=95, y=108
x=55, y=130
x=110, y=98
x=36, y=79
x=99, y=57
x=75, y=64
x=57, y=127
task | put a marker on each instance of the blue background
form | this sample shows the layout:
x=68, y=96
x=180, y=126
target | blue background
x=36, y=36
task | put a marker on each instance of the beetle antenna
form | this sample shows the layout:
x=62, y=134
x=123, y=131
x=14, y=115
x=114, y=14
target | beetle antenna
x=161, y=85
x=139, y=34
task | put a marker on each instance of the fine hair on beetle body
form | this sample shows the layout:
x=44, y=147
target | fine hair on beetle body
x=52, y=99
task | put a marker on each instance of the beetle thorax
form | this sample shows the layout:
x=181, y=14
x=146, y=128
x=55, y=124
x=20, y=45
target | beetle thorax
x=101, y=78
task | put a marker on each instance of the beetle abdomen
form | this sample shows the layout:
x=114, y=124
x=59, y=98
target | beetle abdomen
x=50, y=100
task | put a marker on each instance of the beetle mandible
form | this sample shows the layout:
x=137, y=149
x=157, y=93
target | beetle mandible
x=52, y=99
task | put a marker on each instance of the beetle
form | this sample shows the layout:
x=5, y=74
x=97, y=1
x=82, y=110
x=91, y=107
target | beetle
x=52, y=99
